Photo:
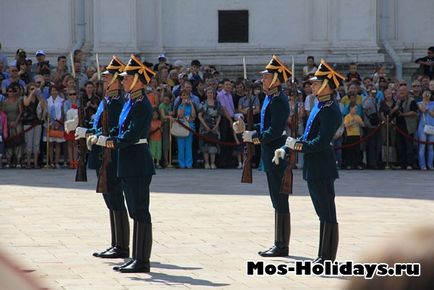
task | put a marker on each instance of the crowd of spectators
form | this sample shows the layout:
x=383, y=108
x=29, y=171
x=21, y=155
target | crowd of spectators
x=37, y=97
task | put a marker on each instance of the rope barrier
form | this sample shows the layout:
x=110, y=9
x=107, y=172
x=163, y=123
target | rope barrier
x=408, y=136
x=361, y=140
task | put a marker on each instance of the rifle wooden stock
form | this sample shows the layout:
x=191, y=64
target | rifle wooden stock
x=248, y=152
x=287, y=180
x=102, y=184
x=81, y=174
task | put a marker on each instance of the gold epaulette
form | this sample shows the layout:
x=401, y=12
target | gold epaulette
x=112, y=93
x=136, y=95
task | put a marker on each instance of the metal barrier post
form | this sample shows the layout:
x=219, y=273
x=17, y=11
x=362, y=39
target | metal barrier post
x=387, y=143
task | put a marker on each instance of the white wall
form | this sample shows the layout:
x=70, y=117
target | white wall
x=341, y=30
x=33, y=25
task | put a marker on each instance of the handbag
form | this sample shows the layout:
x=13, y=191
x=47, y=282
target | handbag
x=428, y=129
x=56, y=133
x=178, y=130
x=14, y=141
x=211, y=137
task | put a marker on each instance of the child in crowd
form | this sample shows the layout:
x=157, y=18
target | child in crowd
x=352, y=73
x=353, y=123
x=155, y=138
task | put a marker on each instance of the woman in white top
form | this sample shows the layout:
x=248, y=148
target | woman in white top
x=426, y=113
x=55, y=118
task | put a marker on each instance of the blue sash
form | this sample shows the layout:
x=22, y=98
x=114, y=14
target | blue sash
x=264, y=108
x=312, y=116
x=98, y=115
x=124, y=114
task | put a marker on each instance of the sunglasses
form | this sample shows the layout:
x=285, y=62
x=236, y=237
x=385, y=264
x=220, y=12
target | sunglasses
x=12, y=91
x=416, y=86
x=72, y=94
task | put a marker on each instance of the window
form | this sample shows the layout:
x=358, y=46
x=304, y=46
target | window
x=233, y=26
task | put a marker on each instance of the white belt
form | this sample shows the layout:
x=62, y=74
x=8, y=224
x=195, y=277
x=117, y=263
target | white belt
x=142, y=141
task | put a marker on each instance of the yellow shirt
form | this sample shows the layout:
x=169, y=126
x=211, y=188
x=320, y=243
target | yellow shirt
x=353, y=130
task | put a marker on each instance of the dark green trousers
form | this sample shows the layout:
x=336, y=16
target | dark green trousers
x=136, y=190
x=322, y=193
x=279, y=200
x=114, y=199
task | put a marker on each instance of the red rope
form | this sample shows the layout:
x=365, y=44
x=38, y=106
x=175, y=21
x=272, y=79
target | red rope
x=19, y=135
x=408, y=136
x=363, y=139
x=207, y=139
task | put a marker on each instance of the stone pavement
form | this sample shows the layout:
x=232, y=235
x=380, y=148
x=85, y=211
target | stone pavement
x=206, y=226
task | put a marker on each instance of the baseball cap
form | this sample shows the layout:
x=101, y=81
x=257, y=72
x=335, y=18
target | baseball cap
x=40, y=52
x=162, y=56
x=178, y=63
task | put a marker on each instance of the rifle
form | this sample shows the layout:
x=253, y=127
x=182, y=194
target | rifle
x=248, y=150
x=102, y=184
x=82, y=147
x=287, y=180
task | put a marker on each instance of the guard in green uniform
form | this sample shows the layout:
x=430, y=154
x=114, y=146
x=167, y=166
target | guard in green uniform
x=135, y=164
x=270, y=133
x=114, y=199
x=320, y=170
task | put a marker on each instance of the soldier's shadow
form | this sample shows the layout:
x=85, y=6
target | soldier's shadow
x=167, y=279
x=160, y=265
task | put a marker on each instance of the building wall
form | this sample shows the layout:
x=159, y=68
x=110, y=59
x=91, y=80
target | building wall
x=340, y=30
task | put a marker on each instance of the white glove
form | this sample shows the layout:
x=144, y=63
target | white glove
x=239, y=126
x=278, y=154
x=102, y=141
x=80, y=132
x=71, y=125
x=91, y=140
x=248, y=135
x=290, y=142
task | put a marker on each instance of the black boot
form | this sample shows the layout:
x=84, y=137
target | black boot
x=122, y=231
x=329, y=245
x=321, y=233
x=130, y=260
x=113, y=236
x=282, y=233
x=143, y=245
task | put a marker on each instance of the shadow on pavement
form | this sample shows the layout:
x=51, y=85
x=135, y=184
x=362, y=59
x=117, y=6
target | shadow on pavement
x=178, y=280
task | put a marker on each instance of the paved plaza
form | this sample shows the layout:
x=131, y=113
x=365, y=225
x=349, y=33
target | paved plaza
x=206, y=226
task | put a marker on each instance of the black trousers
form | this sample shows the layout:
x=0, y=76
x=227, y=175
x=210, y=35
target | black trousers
x=404, y=148
x=322, y=193
x=373, y=148
x=280, y=201
x=352, y=154
x=136, y=191
x=226, y=158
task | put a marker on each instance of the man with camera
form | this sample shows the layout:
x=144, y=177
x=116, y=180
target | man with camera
x=371, y=119
x=41, y=63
